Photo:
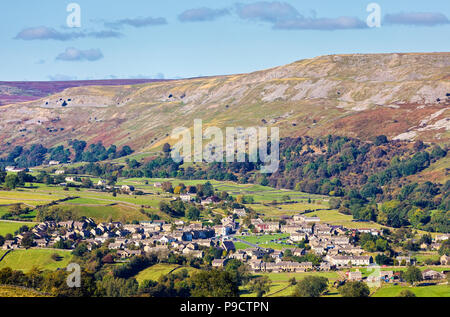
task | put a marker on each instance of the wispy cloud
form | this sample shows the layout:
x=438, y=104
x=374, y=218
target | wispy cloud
x=267, y=11
x=202, y=14
x=141, y=76
x=104, y=34
x=61, y=77
x=73, y=54
x=323, y=24
x=284, y=16
x=417, y=18
x=48, y=33
x=136, y=22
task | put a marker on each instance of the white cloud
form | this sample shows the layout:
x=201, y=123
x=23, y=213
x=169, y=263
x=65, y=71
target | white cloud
x=417, y=18
x=202, y=14
x=73, y=54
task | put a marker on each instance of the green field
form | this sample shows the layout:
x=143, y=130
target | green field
x=367, y=271
x=420, y=291
x=240, y=245
x=422, y=256
x=262, y=239
x=280, y=282
x=334, y=217
x=24, y=260
x=102, y=206
x=11, y=227
x=273, y=241
x=156, y=271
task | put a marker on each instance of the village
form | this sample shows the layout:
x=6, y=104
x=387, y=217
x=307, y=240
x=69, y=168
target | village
x=331, y=243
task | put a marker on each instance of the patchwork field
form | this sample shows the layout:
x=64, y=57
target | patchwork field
x=102, y=206
x=281, y=286
x=367, y=271
x=24, y=260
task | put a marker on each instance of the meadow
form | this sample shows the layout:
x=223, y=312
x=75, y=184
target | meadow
x=419, y=291
x=11, y=227
x=273, y=241
x=154, y=272
x=25, y=260
x=263, y=239
x=281, y=286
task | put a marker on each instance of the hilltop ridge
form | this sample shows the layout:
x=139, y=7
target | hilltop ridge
x=404, y=96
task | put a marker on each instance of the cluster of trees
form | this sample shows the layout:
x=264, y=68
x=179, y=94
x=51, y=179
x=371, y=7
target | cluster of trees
x=423, y=206
x=120, y=282
x=12, y=180
x=19, y=156
x=97, y=152
x=175, y=208
x=354, y=289
x=178, y=208
x=159, y=167
x=49, y=282
x=371, y=243
x=315, y=286
x=16, y=212
x=37, y=154
x=201, y=190
x=309, y=257
x=134, y=266
x=54, y=213
x=328, y=165
x=310, y=286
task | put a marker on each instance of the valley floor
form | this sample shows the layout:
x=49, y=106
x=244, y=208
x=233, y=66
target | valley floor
x=104, y=207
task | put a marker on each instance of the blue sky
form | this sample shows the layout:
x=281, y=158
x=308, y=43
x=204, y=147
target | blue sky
x=178, y=38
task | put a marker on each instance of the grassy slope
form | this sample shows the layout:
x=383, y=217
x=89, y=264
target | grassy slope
x=341, y=93
x=156, y=271
x=24, y=260
x=13, y=291
x=280, y=282
x=436, y=172
x=423, y=291
x=11, y=227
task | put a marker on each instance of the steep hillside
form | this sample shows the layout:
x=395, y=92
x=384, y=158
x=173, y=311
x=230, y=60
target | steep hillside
x=404, y=96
